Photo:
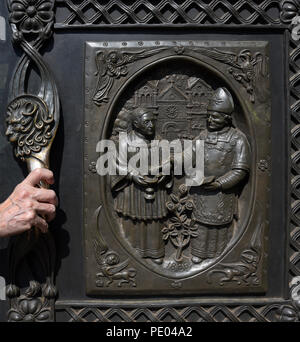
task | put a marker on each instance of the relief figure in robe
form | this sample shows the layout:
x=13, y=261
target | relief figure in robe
x=226, y=168
x=140, y=199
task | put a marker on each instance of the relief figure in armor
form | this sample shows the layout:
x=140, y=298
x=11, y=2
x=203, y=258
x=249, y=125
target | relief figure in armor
x=139, y=199
x=226, y=168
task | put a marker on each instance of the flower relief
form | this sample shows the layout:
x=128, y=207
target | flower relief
x=181, y=226
x=29, y=310
x=31, y=16
x=172, y=112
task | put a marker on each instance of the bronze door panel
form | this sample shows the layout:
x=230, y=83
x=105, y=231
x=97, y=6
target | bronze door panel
x=175, y=82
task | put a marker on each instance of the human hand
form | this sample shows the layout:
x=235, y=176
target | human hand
x=212, y=186
x=138, y=179
x=29, y=205
x=208, y=180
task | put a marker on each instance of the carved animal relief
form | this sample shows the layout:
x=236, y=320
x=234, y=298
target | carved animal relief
x=184, y=170
x=155, y=225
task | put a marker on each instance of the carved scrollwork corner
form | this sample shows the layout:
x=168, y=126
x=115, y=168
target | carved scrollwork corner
x=112, y=271
x=246, y=67
x=290, y=14
x=113, y=65
x=32, y=121
x=244, y=271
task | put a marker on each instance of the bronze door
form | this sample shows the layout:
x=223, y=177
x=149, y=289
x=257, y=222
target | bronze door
x=141, y=247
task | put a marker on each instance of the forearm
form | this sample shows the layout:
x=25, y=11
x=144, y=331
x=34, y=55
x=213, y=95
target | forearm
x=231, y=178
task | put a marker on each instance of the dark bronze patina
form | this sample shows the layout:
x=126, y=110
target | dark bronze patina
x=32, y=121
x=168, y=231
x=140, y=200
x=226, y=164
x=120, y=84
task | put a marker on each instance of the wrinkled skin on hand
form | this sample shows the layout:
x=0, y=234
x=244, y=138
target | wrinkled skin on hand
x=29, y=206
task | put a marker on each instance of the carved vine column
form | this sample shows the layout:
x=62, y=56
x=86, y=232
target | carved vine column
x=34, y=119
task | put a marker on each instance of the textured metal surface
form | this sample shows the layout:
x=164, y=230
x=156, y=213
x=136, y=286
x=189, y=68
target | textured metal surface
x=173, y=78
x=294, y=50
x=193, y=313
x=72, y=13
x=290, y=12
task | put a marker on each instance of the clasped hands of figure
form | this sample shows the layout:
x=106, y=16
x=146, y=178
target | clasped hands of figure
x=29, y=206
x=146, y=180
x=209, y=183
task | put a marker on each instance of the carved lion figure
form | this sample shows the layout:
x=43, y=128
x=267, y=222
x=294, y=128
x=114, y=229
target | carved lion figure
x=29, y=125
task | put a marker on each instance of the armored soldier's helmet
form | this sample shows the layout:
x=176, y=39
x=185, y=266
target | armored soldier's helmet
x=221, y=102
